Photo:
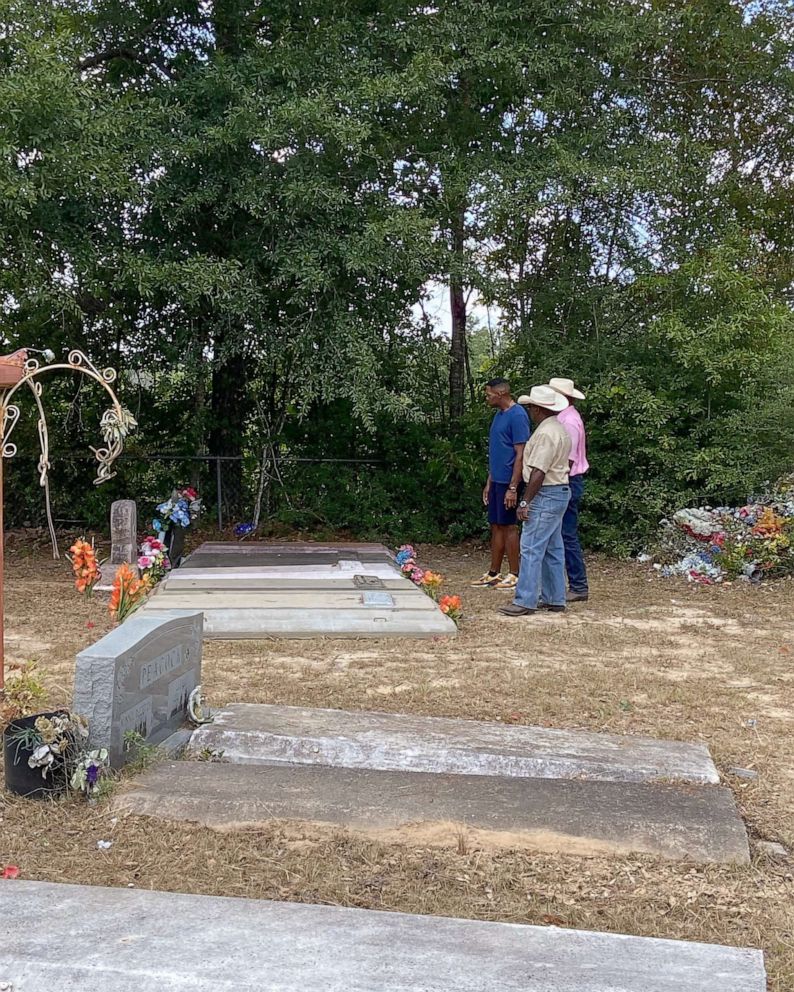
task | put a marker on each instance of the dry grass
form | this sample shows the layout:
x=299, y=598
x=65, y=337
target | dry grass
x=644, y=656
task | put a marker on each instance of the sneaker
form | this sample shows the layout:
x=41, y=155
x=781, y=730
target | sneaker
x=510, y=581
x=487, y=581
x=576, y=597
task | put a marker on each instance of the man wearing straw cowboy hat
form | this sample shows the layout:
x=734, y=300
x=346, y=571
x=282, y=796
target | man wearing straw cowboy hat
x=578, y=590
x=541, y=580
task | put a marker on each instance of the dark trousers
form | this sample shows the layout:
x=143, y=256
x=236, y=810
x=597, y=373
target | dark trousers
x=574, y=559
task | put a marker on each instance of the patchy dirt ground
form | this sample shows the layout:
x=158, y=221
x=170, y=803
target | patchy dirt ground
x=645, y=655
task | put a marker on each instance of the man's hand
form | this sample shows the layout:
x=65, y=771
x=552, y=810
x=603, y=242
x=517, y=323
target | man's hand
x=511, y=499
x=486, y=492
x=523, y=513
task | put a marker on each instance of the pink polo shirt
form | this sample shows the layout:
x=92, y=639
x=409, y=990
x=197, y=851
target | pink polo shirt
x=572, y=422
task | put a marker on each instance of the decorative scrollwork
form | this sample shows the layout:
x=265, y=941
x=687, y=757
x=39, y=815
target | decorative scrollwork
x=10, y=418
x=115, y=425
x=78, y=360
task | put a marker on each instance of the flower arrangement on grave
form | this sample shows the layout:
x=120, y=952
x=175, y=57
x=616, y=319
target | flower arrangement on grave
x=88, y=771
x=54, y=741
x=750, y=542
x=427, y=580
x=431, y=583
x=452, y=606
x=84, y=566
x=180, y=510
x=406, y=559
x=51, y=743
x=153, y=560
x=128, y=593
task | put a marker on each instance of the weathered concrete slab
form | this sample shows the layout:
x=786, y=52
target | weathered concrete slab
x=247, y=591
x=382, y=570
x=219, y=555
x=572, y=817
x=364, y=622
x=296, y=599
x=166, y=942
x=268, y=558
x=259, y=734
x=255, y=547
x=138, y=678
x=341, y=583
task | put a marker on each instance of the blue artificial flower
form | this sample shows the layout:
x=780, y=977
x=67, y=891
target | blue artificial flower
x=157, y=526
x=92, y=774
x=403, y=557
x=243, y=530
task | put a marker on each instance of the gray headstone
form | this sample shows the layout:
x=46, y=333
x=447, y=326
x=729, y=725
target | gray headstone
x=123, y=542
x=124, y=532
x=138, y=678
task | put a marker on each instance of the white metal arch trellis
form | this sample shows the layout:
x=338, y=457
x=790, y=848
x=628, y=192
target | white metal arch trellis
x=115, y=425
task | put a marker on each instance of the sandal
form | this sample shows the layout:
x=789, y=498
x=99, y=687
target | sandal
x=487, y=581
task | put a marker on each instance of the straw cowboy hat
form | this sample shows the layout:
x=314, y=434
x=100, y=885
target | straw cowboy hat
x=567, y=388
x=549, y=399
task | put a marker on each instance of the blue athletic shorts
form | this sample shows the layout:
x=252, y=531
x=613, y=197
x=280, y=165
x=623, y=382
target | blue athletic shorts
x=497, y=512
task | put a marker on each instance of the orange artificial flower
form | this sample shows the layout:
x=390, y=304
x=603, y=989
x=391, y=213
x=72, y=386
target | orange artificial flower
x=451, y=605
x=85, y=566
x=128, y=592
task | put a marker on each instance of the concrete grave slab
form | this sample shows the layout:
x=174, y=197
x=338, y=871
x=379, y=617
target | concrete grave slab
x=250, y=733
x=176, y=583
x=355, y=622
x=550, y=815
x=167, y=942
x=139, y=678
x=297, y=599
x=219, y=555
x=254, y=547
x=382, y=570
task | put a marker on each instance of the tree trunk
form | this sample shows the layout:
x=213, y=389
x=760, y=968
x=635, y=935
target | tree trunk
x=228, y=425
x=457, y=302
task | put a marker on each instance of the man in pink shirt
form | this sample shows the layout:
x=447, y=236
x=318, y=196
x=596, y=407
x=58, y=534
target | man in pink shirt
x=578, y=590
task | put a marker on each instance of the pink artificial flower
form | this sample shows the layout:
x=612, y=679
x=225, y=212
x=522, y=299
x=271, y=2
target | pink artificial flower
x=145, y=561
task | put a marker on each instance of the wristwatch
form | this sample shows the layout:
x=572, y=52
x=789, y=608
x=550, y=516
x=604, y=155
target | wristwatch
x=512, y=489
x=523, y=503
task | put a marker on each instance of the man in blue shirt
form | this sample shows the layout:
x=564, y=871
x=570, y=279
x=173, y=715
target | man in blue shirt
x=509, y=433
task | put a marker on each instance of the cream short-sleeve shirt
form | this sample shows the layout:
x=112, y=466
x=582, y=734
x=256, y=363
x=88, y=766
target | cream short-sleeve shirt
x=548, y=449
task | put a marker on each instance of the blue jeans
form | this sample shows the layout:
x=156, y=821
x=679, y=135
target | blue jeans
x=574, y=559
x=542, y=575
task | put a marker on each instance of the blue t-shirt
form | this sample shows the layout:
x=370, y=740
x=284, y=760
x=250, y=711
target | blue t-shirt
x=508, y=427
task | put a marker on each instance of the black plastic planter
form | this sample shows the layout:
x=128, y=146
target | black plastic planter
x=175, y=544
x=21, y=779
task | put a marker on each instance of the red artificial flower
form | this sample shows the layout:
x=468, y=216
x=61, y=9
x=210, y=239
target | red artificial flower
x=10, y=871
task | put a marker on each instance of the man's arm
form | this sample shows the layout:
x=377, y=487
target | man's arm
x=511, y=496
x=533, y=488
x=487, y=490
